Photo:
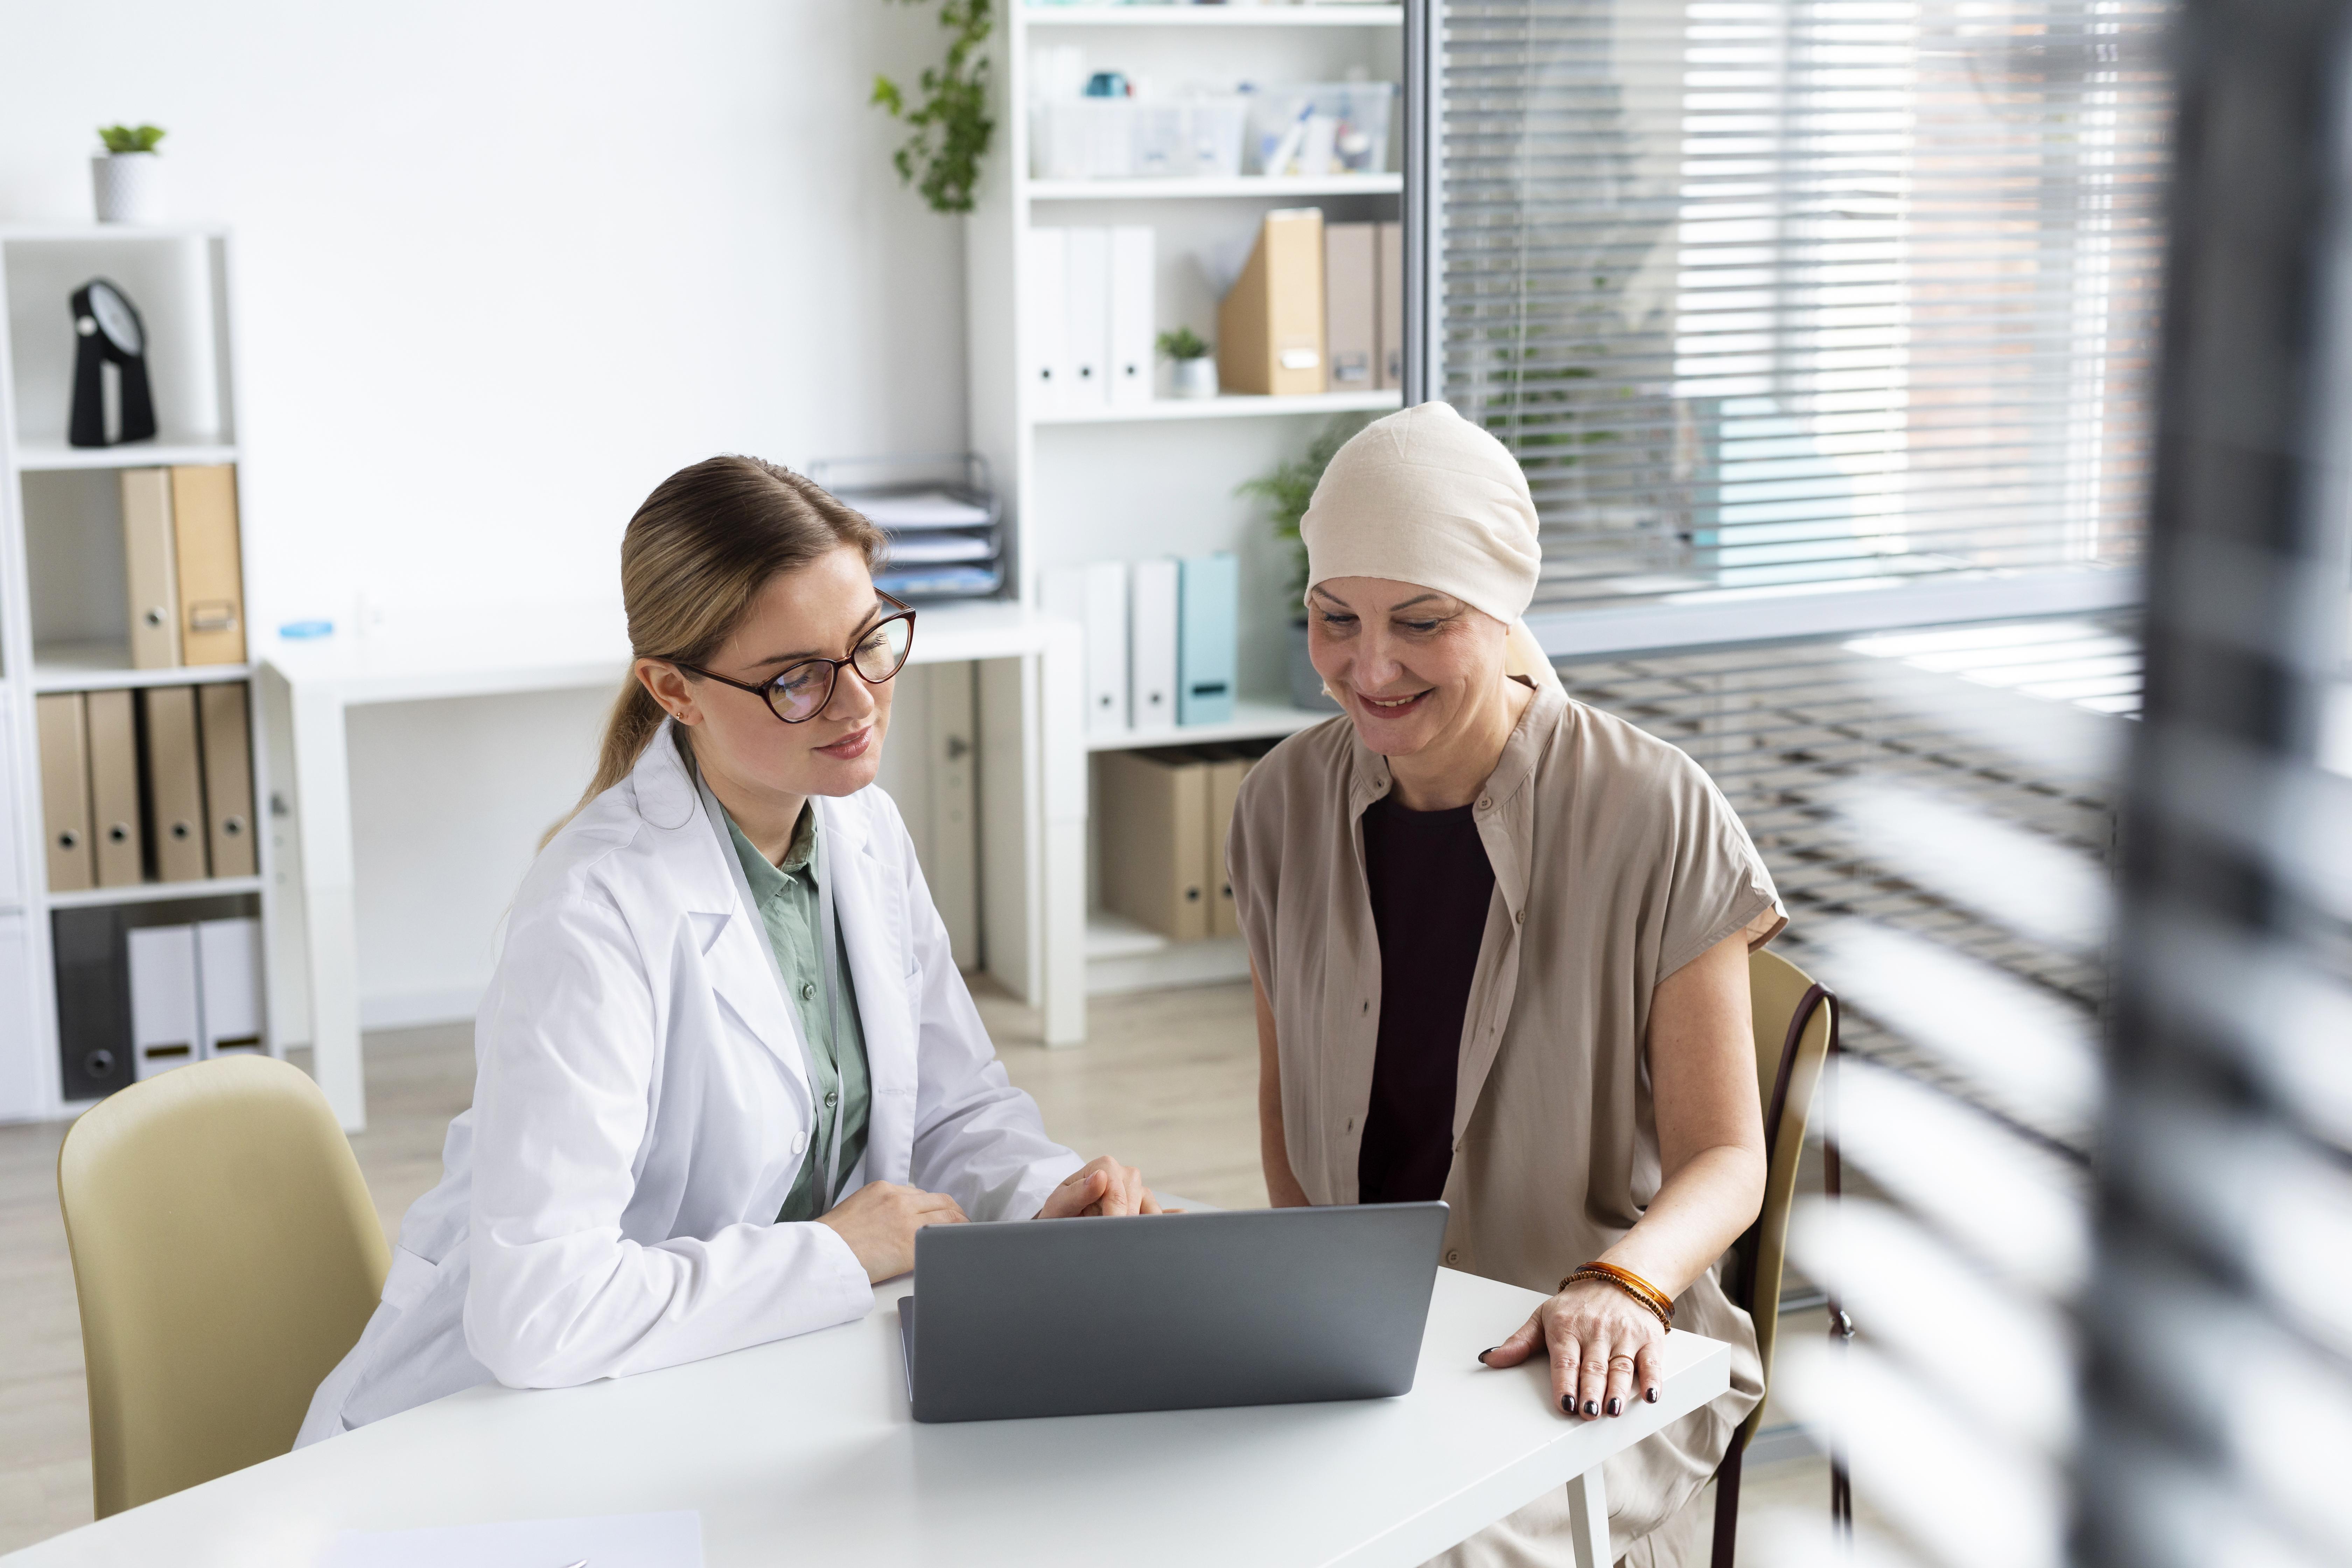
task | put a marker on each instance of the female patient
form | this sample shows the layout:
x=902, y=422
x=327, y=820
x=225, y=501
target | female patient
x=726, y=1068
x=1501, y=946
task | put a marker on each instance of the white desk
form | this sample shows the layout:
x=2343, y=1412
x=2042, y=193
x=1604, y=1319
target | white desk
x=1037, y=915
x=802, y=1452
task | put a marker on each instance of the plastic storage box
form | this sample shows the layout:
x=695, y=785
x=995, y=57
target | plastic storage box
x=1320, y=127
x=1137, y=138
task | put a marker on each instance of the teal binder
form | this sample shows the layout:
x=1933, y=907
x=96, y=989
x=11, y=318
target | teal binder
x=1208, y=609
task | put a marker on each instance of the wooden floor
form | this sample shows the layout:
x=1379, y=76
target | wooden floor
x=1168, y=1083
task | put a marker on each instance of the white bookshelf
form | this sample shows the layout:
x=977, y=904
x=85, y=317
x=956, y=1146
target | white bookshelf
x=1159, y=479
x=62, y=597
x=1218, y=17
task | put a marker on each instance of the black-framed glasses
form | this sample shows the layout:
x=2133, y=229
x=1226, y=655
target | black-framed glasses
x=801, y=692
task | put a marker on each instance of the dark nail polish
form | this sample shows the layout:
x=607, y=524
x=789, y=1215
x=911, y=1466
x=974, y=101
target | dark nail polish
x=1616, y=1407
x=1651, y=1395
x=1593, y=1407
x=1483, y=1354
x=1568, y=1405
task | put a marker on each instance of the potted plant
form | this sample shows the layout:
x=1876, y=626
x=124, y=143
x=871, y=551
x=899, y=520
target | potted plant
x=1196, y=372
x=128, y=184
x=1288, y=490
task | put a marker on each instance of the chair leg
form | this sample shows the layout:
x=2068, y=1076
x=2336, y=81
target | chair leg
x=1726, y=1502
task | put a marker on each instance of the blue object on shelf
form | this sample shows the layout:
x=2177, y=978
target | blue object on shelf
x=302, y=631
x=1108, y=84
x=1208, y=610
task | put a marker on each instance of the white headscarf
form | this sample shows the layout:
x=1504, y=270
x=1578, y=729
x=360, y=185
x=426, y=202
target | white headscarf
x=1425, y=497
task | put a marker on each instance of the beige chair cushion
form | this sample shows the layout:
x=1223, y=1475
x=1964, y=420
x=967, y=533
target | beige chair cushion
x=226, y=1255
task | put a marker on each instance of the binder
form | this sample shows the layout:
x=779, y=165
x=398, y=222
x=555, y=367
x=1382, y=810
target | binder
x=59, y=720
x=228, y=986
x=1390, y=280
x=13, y=892
x=229, y=827
x=1095, y=597
x=150, y=568
x=120, y=847
x=1350, y=305
x=1154, y=814
x=1270, y=323
x=176, y=789
x=92, y=967
x=1151, y=646
x=1208, y=606
x=212, y=575
x=1048, y=327
x=1227, y=767
x=1088, y=304
x=163, y=1026
x=1134, y=283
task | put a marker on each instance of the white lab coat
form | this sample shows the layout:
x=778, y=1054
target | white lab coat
x=641, y=1107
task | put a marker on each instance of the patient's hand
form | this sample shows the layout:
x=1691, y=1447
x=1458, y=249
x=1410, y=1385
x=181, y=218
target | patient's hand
x=1102, y=1186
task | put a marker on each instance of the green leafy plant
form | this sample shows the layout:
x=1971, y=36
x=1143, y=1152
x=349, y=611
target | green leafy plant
x=131, y=137
x=1288, y=489
x=1183, y=343
x=952, y=126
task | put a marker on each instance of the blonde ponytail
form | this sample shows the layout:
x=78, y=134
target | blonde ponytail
x=699, y=552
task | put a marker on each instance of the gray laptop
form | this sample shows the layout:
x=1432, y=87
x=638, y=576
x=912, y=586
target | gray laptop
x=1084, y=1317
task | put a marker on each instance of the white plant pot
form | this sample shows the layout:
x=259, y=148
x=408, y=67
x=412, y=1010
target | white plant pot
x=128, y=187
x=1196, y=378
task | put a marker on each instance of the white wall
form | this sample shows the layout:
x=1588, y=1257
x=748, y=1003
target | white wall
x=499, y=269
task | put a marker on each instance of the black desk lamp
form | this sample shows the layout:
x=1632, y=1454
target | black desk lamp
x=111, y=334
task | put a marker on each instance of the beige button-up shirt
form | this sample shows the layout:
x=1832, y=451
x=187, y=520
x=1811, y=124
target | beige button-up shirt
x=1616, y=862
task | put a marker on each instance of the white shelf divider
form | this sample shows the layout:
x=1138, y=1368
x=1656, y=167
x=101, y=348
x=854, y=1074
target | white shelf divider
x=52, y=456
x=1252, y=720
x=1207, y=15
x=1242, y=186
x=154, y=892
x=106, y=667
x=1228, y=406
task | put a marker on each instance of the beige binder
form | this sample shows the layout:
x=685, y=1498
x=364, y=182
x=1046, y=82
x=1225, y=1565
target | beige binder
x=212, y=578
x=148, y=558
x=1154, y=814
x=228, y=779
x=1270, y=325
x=114, y=790
x=58, y=717
x=1225, y=775
x=1390, y=281
x=176, y=788
x=1350, y=300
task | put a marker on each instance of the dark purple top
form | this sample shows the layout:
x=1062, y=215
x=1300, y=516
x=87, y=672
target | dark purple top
x=1431, y=884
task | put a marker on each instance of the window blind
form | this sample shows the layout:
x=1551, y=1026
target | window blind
x=1794, y=296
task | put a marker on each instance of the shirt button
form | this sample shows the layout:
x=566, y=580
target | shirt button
x=1520, y=917
x=808, y=990
x=1485, y=803
x=1454, y=1257
x=831, y=1099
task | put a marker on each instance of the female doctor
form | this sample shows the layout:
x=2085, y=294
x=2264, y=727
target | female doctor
x=726, y=1068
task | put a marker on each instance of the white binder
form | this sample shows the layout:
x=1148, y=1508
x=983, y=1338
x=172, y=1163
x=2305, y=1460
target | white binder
x=12, y=868
x=1151, y=645
x=1132, y=283
x=20, y=1092
x=1047, y=328
x=1095, y=597
x=1089, y=302
x=228, y=973
x=164, y=1031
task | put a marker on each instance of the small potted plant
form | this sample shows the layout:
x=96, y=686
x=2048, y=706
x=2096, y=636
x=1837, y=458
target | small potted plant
x=129, y=183
x=1195, y=372
x=1288, y=490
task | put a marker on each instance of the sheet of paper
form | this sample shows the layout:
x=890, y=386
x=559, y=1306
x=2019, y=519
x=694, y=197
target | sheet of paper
x=610, y=1541
x=926, y=508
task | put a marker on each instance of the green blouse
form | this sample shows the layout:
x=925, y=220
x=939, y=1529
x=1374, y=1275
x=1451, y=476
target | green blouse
x=787, y=898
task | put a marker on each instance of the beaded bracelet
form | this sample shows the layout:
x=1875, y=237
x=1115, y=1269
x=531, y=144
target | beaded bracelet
x=1656, y=1301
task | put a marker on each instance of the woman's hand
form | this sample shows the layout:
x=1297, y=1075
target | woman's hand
x=880, y=1221
x=1102, y=1187
x=1604, y=1348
